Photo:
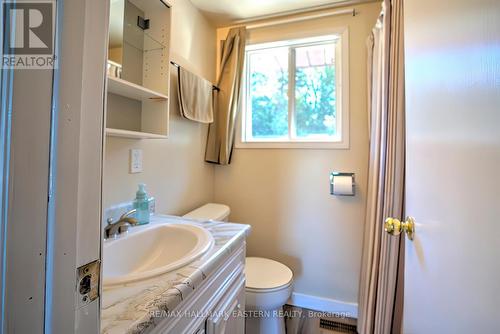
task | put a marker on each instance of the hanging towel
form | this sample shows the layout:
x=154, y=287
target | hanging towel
x=195, y=97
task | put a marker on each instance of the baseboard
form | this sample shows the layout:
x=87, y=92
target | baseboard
x=324, y=304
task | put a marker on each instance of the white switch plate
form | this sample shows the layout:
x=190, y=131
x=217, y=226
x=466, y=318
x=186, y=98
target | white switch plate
x=135, y=161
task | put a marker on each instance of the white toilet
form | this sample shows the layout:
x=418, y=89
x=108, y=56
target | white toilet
x=268, y=282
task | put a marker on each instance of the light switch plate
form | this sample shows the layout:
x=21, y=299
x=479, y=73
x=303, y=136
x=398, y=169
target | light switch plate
x=135, y=161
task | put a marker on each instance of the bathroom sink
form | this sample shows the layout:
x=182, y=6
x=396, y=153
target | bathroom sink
x=152, y=251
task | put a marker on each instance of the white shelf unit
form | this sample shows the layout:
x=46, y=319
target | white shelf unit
x=140, y=109
x=131, y=90
x=133, y=134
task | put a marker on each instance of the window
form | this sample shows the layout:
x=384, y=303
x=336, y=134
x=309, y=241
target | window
x=294, y=95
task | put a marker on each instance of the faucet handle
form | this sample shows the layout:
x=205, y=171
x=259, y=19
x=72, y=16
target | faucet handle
x=114, y=229
x=123, y=228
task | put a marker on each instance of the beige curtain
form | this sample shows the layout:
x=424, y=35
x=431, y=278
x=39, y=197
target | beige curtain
x=227, y=101
x=380, y=302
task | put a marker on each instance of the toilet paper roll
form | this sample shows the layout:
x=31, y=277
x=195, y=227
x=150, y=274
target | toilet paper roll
x=342, y=185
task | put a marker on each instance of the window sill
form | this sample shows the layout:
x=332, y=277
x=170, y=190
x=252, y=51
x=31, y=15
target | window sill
x=293, y=145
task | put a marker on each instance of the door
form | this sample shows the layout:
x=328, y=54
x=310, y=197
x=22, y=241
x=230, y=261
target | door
x=228, y=316
x=25, y=132
x=452, y=268
x=51, y=126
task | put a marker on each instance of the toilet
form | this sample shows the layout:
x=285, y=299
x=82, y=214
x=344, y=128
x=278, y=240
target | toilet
x=268, y=282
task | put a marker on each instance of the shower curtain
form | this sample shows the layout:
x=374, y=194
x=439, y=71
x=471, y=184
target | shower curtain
x=380, y=298
x=227, y=101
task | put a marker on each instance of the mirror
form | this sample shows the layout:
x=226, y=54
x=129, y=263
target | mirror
x=115, y=42
x=131, y=39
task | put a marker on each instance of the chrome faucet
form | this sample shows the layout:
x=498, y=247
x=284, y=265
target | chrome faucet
x=121, y=226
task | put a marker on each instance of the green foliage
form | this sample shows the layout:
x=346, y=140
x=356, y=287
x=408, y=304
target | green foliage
x=315, y=105
x=270, y=110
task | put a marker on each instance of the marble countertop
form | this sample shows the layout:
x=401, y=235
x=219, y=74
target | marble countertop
x=130, y=308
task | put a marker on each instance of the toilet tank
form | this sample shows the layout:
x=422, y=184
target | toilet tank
x=210, y=211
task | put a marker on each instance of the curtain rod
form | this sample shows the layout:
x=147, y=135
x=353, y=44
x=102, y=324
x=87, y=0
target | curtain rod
x=284, y=19
x=214, y=87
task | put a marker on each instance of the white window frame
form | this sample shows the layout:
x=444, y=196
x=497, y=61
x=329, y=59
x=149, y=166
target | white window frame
x=341, y=140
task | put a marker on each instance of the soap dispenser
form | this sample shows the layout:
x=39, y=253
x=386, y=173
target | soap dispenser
x=141, y=204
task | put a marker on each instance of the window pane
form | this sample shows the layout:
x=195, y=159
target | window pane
x=315, y=91
x=268, y=93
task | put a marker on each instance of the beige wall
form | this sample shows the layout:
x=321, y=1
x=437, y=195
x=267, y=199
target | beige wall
x=174, y=169
x=284, y=194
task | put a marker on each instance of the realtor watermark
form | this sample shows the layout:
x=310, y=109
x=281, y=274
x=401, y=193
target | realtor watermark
x=280, y=313
x=28, y=35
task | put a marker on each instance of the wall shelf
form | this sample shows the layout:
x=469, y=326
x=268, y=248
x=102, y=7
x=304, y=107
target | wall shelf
x=138, y=99
x=133, y=134
x=133, y=91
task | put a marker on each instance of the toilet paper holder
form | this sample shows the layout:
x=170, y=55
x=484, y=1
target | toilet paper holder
x=333, y=176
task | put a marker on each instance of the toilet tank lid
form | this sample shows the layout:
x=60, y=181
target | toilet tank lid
x=211, y=211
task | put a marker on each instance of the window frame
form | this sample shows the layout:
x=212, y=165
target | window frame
x=341, y=141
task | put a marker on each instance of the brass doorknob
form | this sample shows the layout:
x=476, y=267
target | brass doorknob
x=394, y=226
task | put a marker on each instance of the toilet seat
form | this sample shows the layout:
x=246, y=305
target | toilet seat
x=268, y=290
x=265, y=275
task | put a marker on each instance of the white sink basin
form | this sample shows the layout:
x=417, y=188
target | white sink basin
x=152, y=251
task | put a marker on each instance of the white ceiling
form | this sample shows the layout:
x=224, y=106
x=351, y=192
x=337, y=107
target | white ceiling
x=225, y=11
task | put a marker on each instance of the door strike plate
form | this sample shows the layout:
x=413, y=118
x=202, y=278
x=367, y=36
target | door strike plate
x=87, y=283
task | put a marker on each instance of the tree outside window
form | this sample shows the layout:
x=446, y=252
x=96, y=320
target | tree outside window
x=291, y=93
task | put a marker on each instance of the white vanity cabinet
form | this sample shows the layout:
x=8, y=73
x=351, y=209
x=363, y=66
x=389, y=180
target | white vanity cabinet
x=217, y=306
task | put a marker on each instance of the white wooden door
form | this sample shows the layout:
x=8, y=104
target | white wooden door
x=227, y=316
x=76, y=234
x=51, y=135
x=452, y=268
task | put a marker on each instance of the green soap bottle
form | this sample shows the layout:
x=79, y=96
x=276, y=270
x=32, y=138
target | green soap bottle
x=141, y=204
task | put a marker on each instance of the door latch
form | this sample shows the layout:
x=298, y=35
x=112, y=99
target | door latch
x=87, y=283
